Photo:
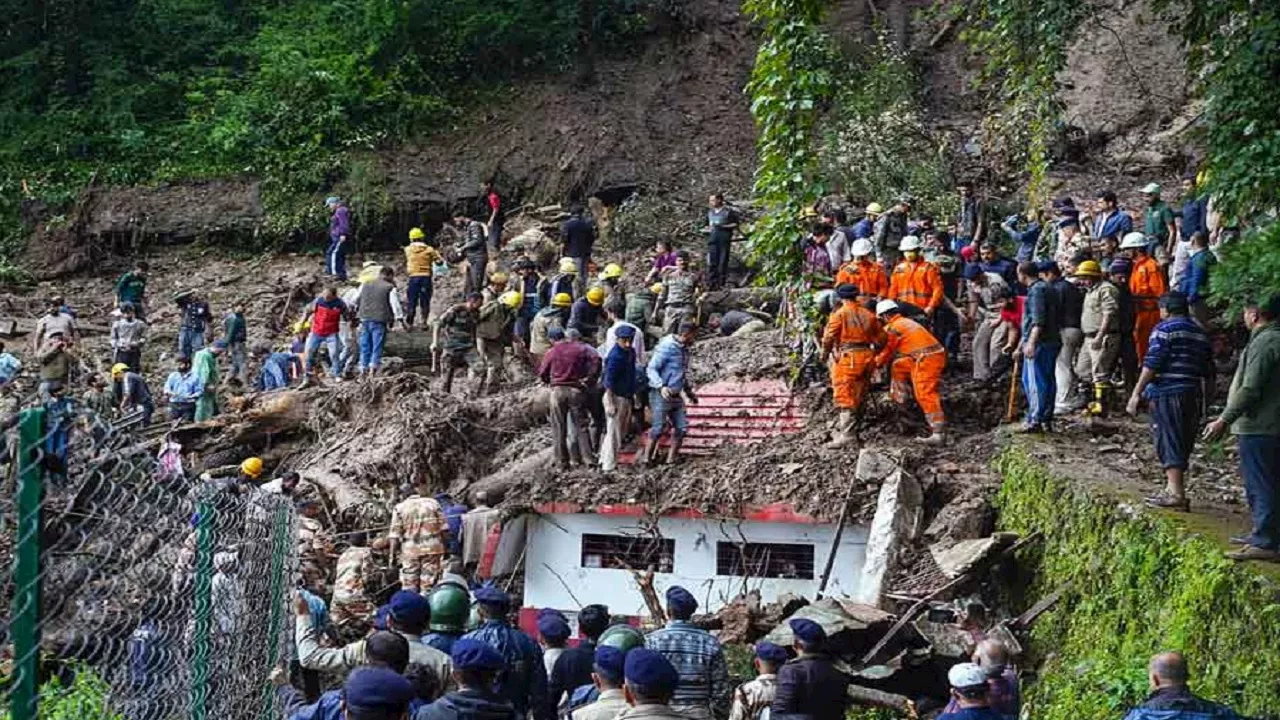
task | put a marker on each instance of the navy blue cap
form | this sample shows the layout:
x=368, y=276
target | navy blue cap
x=770, y=653
x=681, y=600
x=807, y=631
x=552, y=611
x=380, y=617
x=410, y=608
x=609, y=662
x=471, y=654
x=492, y=597
x=1049, y=266
x=553, y=627
x=625, y=332
x=377, y=688
x=650, y=670
x=845, y=291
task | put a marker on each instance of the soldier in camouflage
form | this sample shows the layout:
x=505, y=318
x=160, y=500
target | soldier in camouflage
x=680, y=289
x=418, y=539
x=351, y=604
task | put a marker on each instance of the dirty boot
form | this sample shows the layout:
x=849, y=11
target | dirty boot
x=448, y=379
x=936, y=438
x=673, y=452
x=843, y=434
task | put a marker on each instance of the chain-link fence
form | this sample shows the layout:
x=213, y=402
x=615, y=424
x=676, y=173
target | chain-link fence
x=130, y=589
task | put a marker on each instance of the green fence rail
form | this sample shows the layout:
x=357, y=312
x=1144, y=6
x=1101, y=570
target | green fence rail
x=136, y=592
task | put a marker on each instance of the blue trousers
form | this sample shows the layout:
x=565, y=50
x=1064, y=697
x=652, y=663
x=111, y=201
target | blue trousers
x=335, y=259
x=1040, y=383
x=1175, y=423
x=1260, y=466
x=664, y=410
x=189, y=341
x=373, y=335
x=334, y=343
x=717, y=262
x=420, y=289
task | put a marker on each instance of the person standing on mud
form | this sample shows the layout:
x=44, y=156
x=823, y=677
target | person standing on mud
x=128, y=335
x=554, y=317
x=680, y=289
x=417, y=538
x=335, y=257
x=722, y=221
x=852, y=334
x=667, y=373
x=491, y=206
x=916, y=361
x=132, y=288
x=527, y=282
x=373, y=307
x=183, y=388
x=235, y=331
x=619, y=382
x=205, y=367
x=494, y=334
x=473, y=249
x=1041, y=341
x=419, y=261
x=570, y=368
x=130, y=393
x=193, y=330
x=458, y=324
x=1100, y=324
x=577, y=239
x=55, y=321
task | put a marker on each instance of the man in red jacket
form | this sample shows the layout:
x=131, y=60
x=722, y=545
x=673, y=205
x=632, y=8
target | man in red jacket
x=326, y=313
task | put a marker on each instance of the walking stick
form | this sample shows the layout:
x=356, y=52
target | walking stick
x=1010, y=413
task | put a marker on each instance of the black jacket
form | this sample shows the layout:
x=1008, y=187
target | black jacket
x=467, y=705
x=577, y=235
x=572, y=670
x=810, y=688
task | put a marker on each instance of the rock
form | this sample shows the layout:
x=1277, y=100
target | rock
x=968, y=516
x=946, y=640
x=899, y=509
x=873, y=467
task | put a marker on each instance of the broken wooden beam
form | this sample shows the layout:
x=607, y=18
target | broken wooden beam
x=1028, y=618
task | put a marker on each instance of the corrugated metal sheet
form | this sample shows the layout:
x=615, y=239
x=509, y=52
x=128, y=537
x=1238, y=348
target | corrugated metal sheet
x=737, y=412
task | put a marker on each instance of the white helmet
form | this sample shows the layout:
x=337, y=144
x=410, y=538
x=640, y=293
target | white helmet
x=910, y=242
x=1133, y=240
x=862, y=247
x=885, y=306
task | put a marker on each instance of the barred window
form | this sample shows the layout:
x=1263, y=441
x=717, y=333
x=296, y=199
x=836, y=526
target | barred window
x=765, y=560
x=622, y=552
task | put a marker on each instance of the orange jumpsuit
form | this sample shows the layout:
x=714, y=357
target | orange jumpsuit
x=918, y=361
x=851, y=332
x=917, y=282
x=869, y=277
x=1146, y=285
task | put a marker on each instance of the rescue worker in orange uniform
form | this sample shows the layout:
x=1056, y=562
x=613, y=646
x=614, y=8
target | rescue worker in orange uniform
x=852, y=334
x=918, y=360
x=916, y=280
x=1146, y=285
x=864, y=273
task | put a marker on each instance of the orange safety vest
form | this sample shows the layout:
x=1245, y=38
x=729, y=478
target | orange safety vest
x=868, y=277
x=1146, y=283
x=852, y=327
x=907, y=338
x=918, y=283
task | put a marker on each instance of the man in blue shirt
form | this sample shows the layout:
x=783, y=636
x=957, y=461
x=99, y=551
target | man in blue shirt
x=1024, y=238
x=991, y=261
x=1041, y=342
x=1178, y=363
x=1194, y=211
x=1195, y=281
x=722, y=221
x=667, y=388
x=523, y=681
x=1110, y=221
x=183, y=388
x=619, y=382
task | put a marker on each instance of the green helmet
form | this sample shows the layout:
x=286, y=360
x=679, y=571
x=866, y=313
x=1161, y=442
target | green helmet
x=450, y=605
x=473, y=618
x=623, y=637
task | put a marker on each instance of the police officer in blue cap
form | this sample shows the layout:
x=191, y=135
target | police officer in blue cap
x=407, y=614
x=576, y=666
x=650, y=683
x=753, y=698
x=607, y=676
x=554, y=629
x=376, y=693
x=810, y=686
x=696, y=656
x=523, y=680
x=382, y=649
x=475, y=668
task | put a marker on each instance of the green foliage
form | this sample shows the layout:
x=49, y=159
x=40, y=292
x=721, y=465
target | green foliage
x=877, y=144
x=790, y=83
x=1139, y=584
x=1023, y=46
x=1250, y=268
x=140, y=91
x=85, y=697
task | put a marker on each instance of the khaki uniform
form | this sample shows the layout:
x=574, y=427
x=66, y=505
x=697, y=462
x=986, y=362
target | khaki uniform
x=1099, y=363
x=606, y=707
x=419, y=524
x=314, y=542
x=493, y=335
x=350, y=599
x=750, y=699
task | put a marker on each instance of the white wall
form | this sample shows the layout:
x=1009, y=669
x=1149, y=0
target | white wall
x=555, y=544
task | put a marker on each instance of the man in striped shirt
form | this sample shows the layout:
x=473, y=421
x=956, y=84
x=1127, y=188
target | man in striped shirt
x=697, y=657
x=1175, y=369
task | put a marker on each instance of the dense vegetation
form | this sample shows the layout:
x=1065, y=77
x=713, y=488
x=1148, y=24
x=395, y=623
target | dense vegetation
x=1135, y=585
x=140, y=91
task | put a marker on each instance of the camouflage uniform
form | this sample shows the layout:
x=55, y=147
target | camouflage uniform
x=753, y=697
x=314, y=547
x=350, y=600
x=419, y=524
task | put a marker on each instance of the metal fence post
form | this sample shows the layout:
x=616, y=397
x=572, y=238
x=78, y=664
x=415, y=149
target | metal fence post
x=27, y=574
x=281, y=537
x=203, y=610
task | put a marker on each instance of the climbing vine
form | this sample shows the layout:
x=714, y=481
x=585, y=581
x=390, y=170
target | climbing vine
x=1023, y=44
x=790, y=83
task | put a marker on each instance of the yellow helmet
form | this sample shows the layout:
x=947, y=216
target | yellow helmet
x=611, y=271
x=511, y=299
x=252, y=467
x=498, y=278
x=875, y=208
x=562, y=300
x=569, y=266
x=301, y=326
x=119, y=368
x=595, y=296
x=656, y=288
x=417, y=234
x=1089, y=268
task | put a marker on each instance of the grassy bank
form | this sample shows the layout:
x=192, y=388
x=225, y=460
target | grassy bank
x=1139, y=583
